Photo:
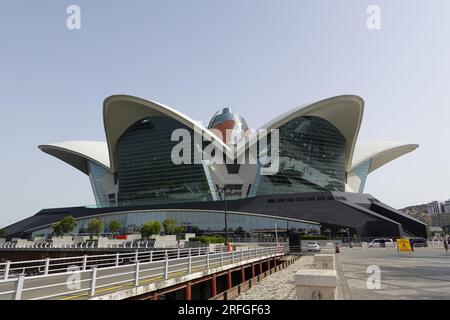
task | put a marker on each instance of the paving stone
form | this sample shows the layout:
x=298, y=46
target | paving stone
x=279, y=285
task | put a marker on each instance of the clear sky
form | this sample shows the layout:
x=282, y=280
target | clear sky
x=259, y=57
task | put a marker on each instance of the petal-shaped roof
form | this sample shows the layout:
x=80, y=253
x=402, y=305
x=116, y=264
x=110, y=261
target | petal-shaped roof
x=76, y=153
x=345, y=112
x=380, y=153
x=122, y=111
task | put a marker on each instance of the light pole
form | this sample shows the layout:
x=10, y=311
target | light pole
x=224, y=191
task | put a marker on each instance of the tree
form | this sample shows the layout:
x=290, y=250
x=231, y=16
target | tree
x=66, y=225
x=56, y=229
x=178, y=229
x=114, y=226
x=95, y=226
x=240, y=231
x=2, y=233
x=150, y=228
x=195, y=229
x=169, y=226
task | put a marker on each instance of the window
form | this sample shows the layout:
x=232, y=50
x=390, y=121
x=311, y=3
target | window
x=312, y=158
x=146, y=171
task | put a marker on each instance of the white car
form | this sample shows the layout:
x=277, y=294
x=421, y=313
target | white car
x=382, y=243
x=313, y=247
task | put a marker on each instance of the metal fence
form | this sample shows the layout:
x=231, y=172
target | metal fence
x=82, y=284
x=137, y=244
x=55, y=265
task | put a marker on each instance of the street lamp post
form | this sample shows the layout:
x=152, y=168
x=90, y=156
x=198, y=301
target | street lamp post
x=226, y=215
x=224, y=191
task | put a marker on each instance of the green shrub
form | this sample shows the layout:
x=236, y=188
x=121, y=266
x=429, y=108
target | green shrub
x=114, y=226
x=169, y=226
x=150, y=228
x=314, y=238
x=95, y=226
x=66, y=225
x=208, y=240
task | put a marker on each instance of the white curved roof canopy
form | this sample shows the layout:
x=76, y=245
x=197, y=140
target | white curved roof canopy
x=75, y=153
x=122, y=111
x=345, y=112
x=380, y=153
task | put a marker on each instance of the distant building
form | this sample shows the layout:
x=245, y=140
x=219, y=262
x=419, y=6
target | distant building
x=447, y=206
x=434, y=207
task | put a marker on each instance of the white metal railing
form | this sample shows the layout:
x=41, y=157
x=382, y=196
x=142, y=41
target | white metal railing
x=56, y=265
x=81, y=283
x=136, y=244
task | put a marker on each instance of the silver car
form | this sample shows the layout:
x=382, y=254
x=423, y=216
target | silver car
x=382, y=243
x=313, y=247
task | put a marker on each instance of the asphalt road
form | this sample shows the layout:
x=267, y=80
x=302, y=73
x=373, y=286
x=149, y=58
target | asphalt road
x=423, y=274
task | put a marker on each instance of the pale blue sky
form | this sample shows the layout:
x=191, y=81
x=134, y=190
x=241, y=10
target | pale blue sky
x=259, y=57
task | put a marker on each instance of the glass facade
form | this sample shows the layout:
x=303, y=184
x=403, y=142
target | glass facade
x=147, y=174
x=194, y=221
x=312, y=158
x=362, y=171
x=98, y=176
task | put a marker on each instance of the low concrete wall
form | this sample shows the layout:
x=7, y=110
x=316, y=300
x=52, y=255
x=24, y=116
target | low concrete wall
x=325, y=261
x=316, y=284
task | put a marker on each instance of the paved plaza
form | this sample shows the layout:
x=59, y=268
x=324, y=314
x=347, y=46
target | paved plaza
x=423, y=274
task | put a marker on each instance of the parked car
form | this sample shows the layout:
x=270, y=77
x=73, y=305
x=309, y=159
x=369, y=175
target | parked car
x=313, y=247
x=382, y=243
x=418, y=242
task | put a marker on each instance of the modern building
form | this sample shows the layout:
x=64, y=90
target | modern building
x=447, y=206
x=319, y=184
x=434, y=207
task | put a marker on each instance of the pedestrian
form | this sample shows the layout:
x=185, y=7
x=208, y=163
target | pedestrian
x=446, y=245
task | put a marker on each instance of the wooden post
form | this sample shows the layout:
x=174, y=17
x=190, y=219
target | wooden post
x=268, y=265
x=213, y=286
x=260, y=267
x=242, y=274
x=253, y=270
x=230, y=283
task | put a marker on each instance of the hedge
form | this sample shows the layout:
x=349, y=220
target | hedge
x=314, y=238
x=208, y=239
